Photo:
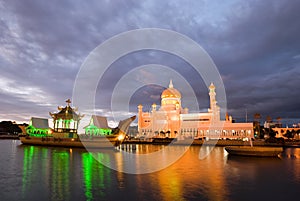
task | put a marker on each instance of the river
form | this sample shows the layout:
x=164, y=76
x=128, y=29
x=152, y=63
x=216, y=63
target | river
x=52, y=173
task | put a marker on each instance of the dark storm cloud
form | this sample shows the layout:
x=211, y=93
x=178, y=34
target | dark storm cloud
x=255, y=45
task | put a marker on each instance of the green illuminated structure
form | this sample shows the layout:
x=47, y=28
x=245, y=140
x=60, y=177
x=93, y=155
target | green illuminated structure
x=38, y=127
x=98, y=126
x=66, y=121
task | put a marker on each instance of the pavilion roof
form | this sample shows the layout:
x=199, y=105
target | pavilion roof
x=100, y=121
x=39, y=123
x=66, y=113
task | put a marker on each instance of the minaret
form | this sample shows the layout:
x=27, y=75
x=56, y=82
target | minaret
x=212, y=97
x=214, y=108
x=140, y=116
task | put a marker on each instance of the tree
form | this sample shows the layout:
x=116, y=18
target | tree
x=256, y=124
x=279, y=121
x=269, y=119
x=289, y=134
x=257, y=117
x=8, y=127
x=272, y=133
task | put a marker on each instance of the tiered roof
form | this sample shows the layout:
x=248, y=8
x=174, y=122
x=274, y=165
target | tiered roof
x=67, y=113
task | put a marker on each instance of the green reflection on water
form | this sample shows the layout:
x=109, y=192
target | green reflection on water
x=34, y=168
x=60, y=186
x=49, y=173
x=87, y=173
x=27, y=167
x=95, y=176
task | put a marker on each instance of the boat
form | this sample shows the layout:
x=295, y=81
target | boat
x=164, y=140
x=258, y=151
x=64, y=133
x=79, y=142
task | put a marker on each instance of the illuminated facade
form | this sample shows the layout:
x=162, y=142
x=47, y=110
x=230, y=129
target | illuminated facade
x=38, y=127
x=98, y=126
x=171, y=120
x=66, y=121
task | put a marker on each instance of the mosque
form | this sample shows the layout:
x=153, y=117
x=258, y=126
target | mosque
x=171, y=120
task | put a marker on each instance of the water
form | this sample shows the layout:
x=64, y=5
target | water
x=41, y=173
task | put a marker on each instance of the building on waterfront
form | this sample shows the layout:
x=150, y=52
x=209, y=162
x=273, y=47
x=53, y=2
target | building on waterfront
x=281, y=132
x=66, y=121
x=98, y=126
x=171, y=120
x=38, y=127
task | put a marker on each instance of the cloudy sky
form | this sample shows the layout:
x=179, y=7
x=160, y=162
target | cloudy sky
x=255, y=46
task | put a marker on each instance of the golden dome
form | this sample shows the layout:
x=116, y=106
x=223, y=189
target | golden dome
x=171, y=92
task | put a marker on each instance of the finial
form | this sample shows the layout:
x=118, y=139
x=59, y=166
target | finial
x=68, y=102
x=171, y=84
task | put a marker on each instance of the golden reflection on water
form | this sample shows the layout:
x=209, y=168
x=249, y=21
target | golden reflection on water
x=294, y=155
x=190, y=174
x=188, y=178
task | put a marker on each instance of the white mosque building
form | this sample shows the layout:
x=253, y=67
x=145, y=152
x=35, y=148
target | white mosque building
x=171, y=120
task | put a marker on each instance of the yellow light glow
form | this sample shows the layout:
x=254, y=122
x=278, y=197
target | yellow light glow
x=120, y=137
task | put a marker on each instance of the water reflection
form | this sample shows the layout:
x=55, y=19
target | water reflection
x=60, y=175
x=250, y=167
x=294, y=163
x=32, y=165
x=44, y=171
x=96, y=177
x=27, y=168
x=190, y=178
x=74, y=174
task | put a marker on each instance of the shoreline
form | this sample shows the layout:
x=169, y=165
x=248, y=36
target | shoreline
x=9, y=137
x=195, y=142
x=221, y=143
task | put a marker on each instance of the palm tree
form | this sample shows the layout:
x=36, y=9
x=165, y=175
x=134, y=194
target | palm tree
x=289, y=134
x=257, y=117
x=256, y=124
x=269, y=119
x=279, y=121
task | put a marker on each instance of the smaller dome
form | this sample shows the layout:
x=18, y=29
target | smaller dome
x=170, y=93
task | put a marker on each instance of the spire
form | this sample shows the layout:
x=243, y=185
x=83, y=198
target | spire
x=212, y=88
x=68, y=102
x=171, y=84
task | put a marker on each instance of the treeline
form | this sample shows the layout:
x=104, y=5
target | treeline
x=9, y=128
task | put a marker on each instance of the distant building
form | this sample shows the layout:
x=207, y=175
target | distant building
x=171, y=120
x=98, y=126
x=281, y=132
x=132, y=130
